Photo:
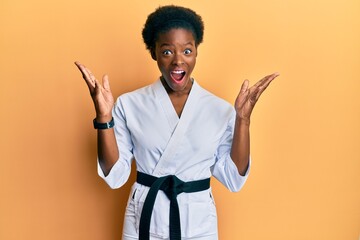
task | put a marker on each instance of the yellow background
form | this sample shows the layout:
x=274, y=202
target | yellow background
x=305, y=178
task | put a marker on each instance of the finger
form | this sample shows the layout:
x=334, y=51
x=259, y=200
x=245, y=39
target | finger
x=266, y=79
x=106, y=83
x=260, y=86
x=244, y=86
x=98, y=88
x=260, y=90
x=243, y=94
x=265, y=84
x=91, y=76
x=85, y=71
x=82, y=69
x=254, y=96
x=87, y=75
x=243, y=89
x=260, y=81
x=269, y=79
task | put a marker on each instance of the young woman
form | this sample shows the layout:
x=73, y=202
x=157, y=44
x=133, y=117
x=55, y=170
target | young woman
x=178, y=133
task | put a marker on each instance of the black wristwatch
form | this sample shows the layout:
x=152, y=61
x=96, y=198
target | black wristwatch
x=106, y=125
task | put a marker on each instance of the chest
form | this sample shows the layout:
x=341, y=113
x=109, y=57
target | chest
x=178, y=103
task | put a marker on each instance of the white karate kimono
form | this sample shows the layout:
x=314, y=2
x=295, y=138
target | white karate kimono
x=193, y=147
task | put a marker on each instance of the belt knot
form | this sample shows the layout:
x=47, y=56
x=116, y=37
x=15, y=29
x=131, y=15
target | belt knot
x=172, y=186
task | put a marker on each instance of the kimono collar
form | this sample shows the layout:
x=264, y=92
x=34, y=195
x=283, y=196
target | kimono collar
x=166, y=104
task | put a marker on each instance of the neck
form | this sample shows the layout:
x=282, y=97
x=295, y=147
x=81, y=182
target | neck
x=181, y=93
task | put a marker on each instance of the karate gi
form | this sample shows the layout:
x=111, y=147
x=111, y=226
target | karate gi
x=195, y=146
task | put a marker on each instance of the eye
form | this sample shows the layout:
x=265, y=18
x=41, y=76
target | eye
x=167, y=52
x=187, y=51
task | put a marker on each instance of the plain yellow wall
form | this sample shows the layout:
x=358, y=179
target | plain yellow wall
x=305, y=178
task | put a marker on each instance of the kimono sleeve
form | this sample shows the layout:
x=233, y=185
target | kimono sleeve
x=120, y=172
x=224, y=168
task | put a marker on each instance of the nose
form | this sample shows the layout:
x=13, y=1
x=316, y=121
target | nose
x=177, y=59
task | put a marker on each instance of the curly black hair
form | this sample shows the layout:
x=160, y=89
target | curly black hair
x=169, y=17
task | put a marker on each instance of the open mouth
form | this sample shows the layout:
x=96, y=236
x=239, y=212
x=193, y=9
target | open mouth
x=177, y=75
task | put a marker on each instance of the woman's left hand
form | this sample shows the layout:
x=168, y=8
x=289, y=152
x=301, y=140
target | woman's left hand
x=247, y=98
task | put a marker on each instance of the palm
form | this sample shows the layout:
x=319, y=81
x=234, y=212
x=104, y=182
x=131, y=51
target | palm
x=101, y=94
x=247, y=98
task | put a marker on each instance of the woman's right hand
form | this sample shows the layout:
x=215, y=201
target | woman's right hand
x=100, y=94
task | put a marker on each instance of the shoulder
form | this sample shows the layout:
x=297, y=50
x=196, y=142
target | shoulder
x=140, y=92
x=132, y=101
x=136, y=96
x=213, y=101
x=215, y=109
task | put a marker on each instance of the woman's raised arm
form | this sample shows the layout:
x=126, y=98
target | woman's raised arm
x=244, y=104
x=103, y=99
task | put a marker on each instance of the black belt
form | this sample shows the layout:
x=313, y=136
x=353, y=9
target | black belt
x=172, y=186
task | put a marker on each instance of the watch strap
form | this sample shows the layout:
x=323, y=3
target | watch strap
x=106, y=125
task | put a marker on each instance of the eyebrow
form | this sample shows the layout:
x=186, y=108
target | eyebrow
x=167, y=44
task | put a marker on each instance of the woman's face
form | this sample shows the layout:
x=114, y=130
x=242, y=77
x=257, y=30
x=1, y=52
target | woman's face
x=175, y=53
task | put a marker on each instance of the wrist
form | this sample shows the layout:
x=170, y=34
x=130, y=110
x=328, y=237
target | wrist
x=103, y=118
x=243, y=122
x=103, y=125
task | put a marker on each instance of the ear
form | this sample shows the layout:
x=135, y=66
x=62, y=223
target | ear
x=153, y=54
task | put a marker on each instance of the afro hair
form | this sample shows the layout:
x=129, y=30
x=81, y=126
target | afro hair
x=169, y=17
